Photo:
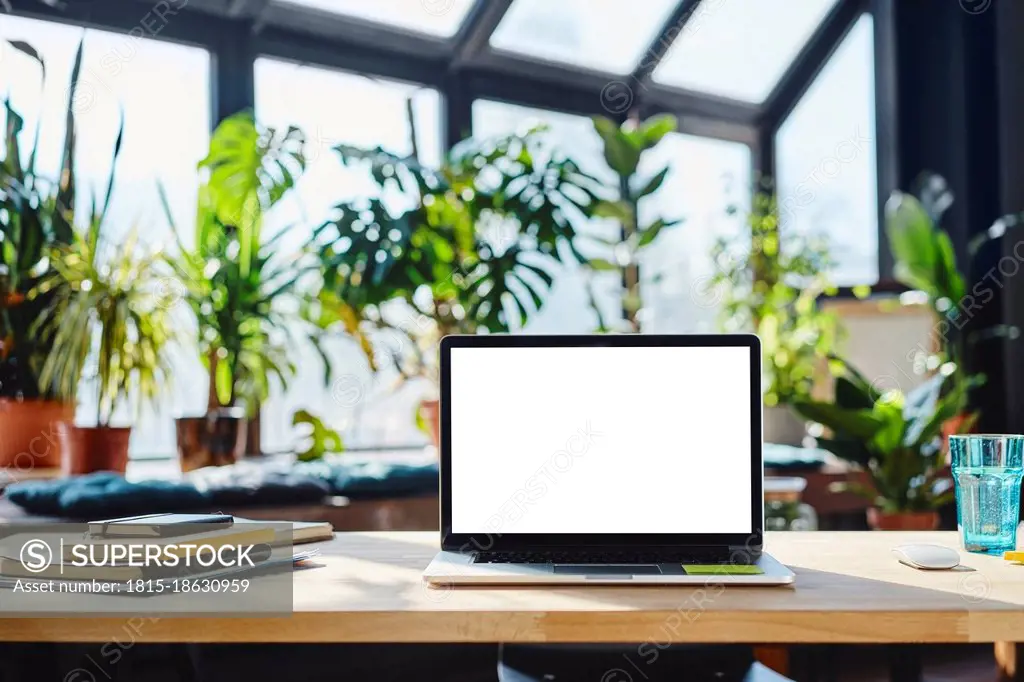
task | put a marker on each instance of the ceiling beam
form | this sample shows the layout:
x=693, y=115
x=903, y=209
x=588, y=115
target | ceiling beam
x=237, y=8
x=657, y=99
x=674, y=25
x=347, y=30
x=246, y=9
x=810, y=61
x=288, y=45
x=474, y=35
x=184, y=25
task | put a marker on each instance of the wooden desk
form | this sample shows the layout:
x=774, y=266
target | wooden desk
x=848, y=589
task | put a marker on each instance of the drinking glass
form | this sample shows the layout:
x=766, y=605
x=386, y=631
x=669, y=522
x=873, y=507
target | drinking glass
x=987, y=472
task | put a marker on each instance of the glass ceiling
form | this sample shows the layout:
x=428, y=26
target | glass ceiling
x=440, y=18
x=740, y=48
x=603, y=35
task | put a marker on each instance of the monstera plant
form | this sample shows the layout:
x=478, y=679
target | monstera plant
x=470, y=246
x=37, y=213
x=483, y=233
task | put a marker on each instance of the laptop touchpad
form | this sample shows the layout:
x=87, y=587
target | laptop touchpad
x=608, y=569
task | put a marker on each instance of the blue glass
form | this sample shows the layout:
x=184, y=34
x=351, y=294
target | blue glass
x=987, y=472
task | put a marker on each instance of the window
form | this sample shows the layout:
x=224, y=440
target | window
x=734, y=52
x=332, y=108
x=440, y=18
x=826, y=164
x=603, y=35
x=740, y=48
x=162, y=89
x=567, y=309
x=707, y=177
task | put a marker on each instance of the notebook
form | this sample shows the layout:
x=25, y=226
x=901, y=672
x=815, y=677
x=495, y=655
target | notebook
x=157, y=525
x=301, y=531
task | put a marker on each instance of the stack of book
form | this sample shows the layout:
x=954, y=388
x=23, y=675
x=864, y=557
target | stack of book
x=156, y=546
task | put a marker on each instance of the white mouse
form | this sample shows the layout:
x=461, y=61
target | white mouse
x=928, y=557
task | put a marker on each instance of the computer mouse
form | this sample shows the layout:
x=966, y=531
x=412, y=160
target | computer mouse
x=928, y=557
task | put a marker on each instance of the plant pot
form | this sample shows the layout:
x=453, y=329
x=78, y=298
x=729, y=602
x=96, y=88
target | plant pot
x=922, y=520
x=783, y=427
x=430, y=410
x=953, y=426
x=89, y=449
x=216, y=439
x=28, y=433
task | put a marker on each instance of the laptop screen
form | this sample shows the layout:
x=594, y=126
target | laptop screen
x=600, y=440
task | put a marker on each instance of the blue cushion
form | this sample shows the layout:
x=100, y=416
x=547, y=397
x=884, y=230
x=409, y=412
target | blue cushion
x=383, y=479
x=102, y=495
x=107, y=494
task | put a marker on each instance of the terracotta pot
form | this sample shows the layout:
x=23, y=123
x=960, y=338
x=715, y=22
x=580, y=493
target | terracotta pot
x=924, y=520
x=961, y=423
x=89, y=449
x=216, y=439
x=430, y=410
x=28, y=433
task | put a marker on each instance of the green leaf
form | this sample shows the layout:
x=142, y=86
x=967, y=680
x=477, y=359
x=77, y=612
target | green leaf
x=912, y=239
x=850, y=450
x=650, y=233
x=948, y=280
x=602, y=265
x=654, y=184
x=24, y=47
x=66, y=193
x=621, y=155
x=890, y=436
x=320, y=439
x=225, y=382
x=852, y=395
x=928, y=426
x=118, y=141
x=655, y=128
x=616, y=210
x=856, y=423
x=421, y=422
x=859, y=381
x=249, y=170
x=861, y=291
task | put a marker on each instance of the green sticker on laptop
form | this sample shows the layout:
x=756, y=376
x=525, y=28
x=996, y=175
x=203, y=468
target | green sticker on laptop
x=722, y=569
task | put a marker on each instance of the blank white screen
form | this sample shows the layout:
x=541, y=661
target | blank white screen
x=600, y=440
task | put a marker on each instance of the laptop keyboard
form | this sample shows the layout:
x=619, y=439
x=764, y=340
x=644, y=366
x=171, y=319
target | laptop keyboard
x=602, y=557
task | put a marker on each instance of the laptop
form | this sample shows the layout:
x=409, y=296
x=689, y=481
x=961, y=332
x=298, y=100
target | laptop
x=602, y=459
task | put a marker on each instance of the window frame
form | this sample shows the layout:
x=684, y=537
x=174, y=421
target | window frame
x=465, y=68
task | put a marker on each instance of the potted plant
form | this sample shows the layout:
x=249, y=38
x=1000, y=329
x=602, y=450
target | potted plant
x=110, y=325
x=476, y=250
x=771, y=288
x=624, y=147
x=896, y=440
x=237, y=282
x=925, y=262
x=36, y=216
